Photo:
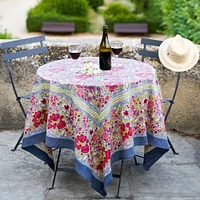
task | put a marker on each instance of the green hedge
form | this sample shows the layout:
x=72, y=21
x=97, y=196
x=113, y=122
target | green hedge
x=34, y=21
x=121, y=19
x=153, y=16
x=46, y=10
x=120, y=12
x=78, y=8
x=151, y=12
x=95, y=3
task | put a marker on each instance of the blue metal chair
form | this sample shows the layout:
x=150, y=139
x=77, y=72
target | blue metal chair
x=8, y=56
x=149, y=53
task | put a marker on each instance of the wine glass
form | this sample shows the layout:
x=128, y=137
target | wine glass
x=116, y=47
x=75, y=52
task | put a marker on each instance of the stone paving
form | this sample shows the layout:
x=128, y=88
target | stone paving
x=173, y=177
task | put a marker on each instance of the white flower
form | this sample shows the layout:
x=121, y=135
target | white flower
x=90, y=68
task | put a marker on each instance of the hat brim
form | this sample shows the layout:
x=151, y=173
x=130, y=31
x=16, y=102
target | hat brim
x=191, y=61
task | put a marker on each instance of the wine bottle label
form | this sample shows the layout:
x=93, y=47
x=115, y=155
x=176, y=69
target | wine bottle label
x=105, y=60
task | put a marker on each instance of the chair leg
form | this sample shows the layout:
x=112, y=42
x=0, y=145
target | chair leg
x=56, y=169
x=135, y=160
x=171, y=146
x=18, y=142
x=120, y=176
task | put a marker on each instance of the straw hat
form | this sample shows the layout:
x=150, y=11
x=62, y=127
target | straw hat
x=178, y=54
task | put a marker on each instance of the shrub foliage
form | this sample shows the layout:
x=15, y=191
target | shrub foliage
x=5, y=35
x=134, y=11
x=95, y=3
x=59, y=11
x=152, y=13
x=181, y=17
x=121, y=12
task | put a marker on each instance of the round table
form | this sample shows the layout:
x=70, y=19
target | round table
x=101, y=117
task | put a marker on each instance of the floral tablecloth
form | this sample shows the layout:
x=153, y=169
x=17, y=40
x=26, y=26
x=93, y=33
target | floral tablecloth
x=101, y=117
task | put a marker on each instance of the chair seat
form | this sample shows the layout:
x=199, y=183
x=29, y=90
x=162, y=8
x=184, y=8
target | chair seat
x=26, y=96
x=167, y=100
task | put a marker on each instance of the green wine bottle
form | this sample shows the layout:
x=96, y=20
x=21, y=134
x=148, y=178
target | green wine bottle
x=105, y=51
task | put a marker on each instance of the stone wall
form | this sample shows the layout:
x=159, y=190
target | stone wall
x=184, y=116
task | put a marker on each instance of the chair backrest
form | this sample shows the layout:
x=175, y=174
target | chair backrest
x=12, y=44
x=153, y=53
x=149, y=53
x=9, y=55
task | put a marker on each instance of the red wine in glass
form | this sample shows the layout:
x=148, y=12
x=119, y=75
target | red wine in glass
x=117, y=50
x=75, y=51
x=75, y=55
x=116, y=47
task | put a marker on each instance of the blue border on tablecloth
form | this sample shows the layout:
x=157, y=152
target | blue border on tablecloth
x=60, y=142
x=28, y=144
x=64, y=142
x=150, y=157
x=161, y=147
x=97, y=185
x=29, y=140
x=40, y=154
x=152, y=140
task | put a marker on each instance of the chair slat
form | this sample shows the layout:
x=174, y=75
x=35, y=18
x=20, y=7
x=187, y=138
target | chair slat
x=24, y=53
x=150, y=54
x=151, y=42
x=20, y=42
